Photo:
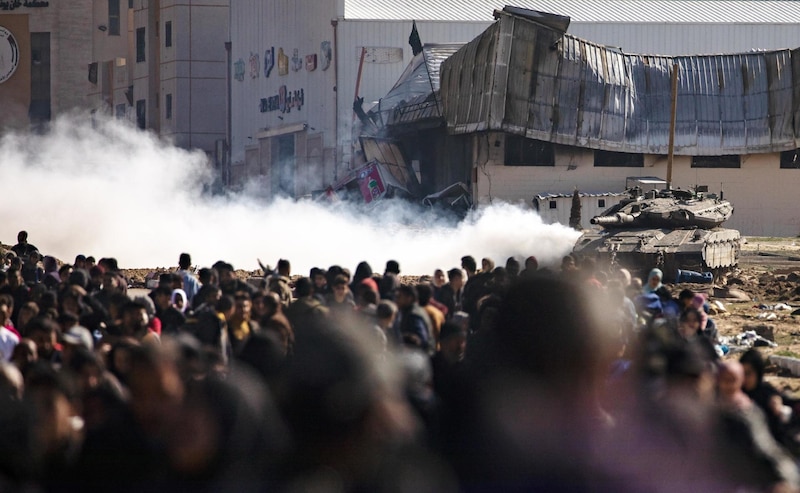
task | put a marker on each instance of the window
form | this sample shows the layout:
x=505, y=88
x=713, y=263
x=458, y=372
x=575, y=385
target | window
x=601, y=202
x=716, y=162
x=521, y=151
x=140, y=45
x=168, y=107
x=141, y=113
x=119, y=111
x=790, y=159
x=113, y=17
x=609, y=159
x=168, y=34
x=553, y=204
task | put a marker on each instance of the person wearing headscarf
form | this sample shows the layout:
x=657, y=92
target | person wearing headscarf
x=653, y=281
x=178, y=299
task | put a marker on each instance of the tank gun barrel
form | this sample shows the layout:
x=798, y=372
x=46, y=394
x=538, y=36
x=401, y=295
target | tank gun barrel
x=618, y=218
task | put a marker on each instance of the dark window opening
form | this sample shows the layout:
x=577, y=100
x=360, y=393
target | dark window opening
x=520, y=151
x=113, y=17
x=790, y=159
x=168, y=106
x=168, y=34
x=716, y=162
x=601, y=203
x=609, y=159
x=40, y=108
x=141, y=113
x=553, y=204
x=140, y=45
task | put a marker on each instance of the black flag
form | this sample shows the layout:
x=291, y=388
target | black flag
x=414, y=41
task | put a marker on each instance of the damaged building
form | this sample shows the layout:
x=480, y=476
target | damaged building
x=533, y=110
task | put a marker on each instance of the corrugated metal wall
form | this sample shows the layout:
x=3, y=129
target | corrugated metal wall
x=571, y=91
x=285, y=26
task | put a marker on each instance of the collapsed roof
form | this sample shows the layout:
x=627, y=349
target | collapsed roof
x=525, y=77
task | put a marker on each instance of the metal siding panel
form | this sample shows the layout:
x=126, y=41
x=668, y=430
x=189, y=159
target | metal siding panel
x=542, y=109
x=689, y=84
x=522, y=74
x=568, y=92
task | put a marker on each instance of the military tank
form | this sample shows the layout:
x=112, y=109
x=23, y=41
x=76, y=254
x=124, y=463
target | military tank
x=674, y=230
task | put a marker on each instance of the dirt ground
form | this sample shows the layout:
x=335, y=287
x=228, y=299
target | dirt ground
x=769, y=273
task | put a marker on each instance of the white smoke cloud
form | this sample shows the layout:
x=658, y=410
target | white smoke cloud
x=110, y=190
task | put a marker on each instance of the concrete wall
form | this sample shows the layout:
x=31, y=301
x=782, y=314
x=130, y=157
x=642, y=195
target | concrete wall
x=763, y=194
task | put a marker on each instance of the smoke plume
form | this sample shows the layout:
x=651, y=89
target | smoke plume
x=108, y=190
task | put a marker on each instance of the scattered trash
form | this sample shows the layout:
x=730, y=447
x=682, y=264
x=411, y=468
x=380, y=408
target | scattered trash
x=720, y=306
x=767, y=316
x=777, y=307
x=749, y=338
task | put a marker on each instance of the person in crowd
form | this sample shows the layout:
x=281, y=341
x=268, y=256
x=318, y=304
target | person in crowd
x=452, y=294
x=306, y=310
x=179, y=300
x=437, y=282
x=23, y=249
x=449, y=359
x=435, y=315
x=487, y=264
x=190, y=283
x=171, y=317
x=229, y=283
x=531, y=267
x=414, y=326
x=772, y=403
x=390, y=281
x=512, y=268
x=746, y=427
x=208, y=280
x=338, y=302
x=44, y=333
x=32, y=272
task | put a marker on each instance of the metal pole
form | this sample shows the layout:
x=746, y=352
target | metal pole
x=673, y=116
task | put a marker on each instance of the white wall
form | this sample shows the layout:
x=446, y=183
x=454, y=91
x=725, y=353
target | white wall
x=764, y=196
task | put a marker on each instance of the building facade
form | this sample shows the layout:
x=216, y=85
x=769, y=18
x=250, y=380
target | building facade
x=58, y=56
x=297, y=67
x=179, y=71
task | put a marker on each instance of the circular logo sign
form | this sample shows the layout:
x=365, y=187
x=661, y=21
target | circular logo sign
x=9, y=54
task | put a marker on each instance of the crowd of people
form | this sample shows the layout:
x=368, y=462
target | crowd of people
x=476, y=378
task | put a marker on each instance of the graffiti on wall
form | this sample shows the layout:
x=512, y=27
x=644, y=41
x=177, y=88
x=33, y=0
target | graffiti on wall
x=283, y=62
x=284, y=101
x=311, y=62
x=269, y=60
x=255, y=65
x=325, y=54
x=238, y=70
x=297, y=61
